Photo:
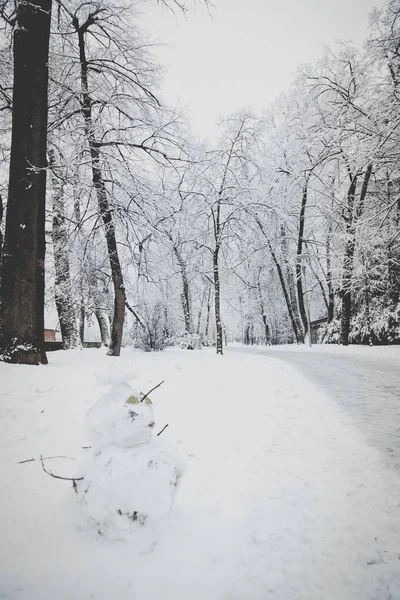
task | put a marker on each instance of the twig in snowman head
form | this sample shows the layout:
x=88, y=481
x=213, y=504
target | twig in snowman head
x=152, y=390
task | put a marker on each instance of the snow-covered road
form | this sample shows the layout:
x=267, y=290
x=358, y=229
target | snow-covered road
x=367, y=387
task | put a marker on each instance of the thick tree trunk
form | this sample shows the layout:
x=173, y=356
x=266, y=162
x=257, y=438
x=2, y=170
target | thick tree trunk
x=217, y=302
x=62, y=284
x=22, y=276
x=102, y=198
x=1, y=233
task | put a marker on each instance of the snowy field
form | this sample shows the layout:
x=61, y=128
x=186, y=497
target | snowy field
x=282, y=497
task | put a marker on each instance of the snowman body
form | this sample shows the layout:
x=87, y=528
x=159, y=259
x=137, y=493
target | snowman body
x=132, y=476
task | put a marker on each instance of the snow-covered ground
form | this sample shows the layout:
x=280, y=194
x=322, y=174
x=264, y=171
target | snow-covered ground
x=282, y=497
x=392, y=352
x=364, y=381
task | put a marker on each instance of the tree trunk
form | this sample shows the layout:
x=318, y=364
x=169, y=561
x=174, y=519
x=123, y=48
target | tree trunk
x=62, y=284
x=98, y=293
x=185, y=296
x=289, y=305
x=102, y=321
x=348, y=265
x=367, y=307
x=267, y=332
x=348, y=261
x=1, y=233
x=291, y=290
x=203, y=299
x=22, y=276
x=102, y=198
x=299, y=257
x=217, y=302
x=331, y=294
x=82, y=314
x=81, y=307
x=208, y=313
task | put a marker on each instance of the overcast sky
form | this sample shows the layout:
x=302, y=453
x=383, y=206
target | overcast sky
x=248, y=51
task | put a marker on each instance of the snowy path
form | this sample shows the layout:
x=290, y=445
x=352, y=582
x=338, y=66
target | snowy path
x=367, y=387
x=282, y=498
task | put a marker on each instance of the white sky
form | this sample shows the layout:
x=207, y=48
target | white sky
x=247, y=53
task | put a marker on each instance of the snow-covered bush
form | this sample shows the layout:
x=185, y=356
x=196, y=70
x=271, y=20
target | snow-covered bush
x=188, y=341
x=155, y=334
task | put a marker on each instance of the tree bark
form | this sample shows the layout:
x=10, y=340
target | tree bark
x=300, y=240
x=331, y=294
x=348, y=260
x=98, y=293
x=208, y=314
x=217, y=301
x=1, y=233
x=267, y=331
x=185, y=296
x=22, y=274
x=203, y=299
x=102, y=197
x=62, y=284
x=291, y=289
x=348, y=264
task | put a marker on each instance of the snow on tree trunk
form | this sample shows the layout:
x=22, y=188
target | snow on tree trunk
x=331, y=293
x=62, y=283
x=299, y=281
x=353, y=214
x=185, y=296
x=208, y=314
x=291, y=291
x=98, y=294
x=267, y=332
x=22, y=276
x=217, y=302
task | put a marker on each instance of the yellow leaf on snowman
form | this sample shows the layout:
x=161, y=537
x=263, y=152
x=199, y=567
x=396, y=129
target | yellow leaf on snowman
x=132, y=400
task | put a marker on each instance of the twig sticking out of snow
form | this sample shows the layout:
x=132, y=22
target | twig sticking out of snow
x=21, y=462
x=74, y=479
x=160, y=432
x=152, y=390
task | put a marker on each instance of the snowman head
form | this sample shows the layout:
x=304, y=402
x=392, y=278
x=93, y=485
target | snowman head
x=120, y=418
x=140, y=413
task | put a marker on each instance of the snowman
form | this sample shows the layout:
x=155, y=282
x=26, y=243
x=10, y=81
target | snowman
x=132, y=476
